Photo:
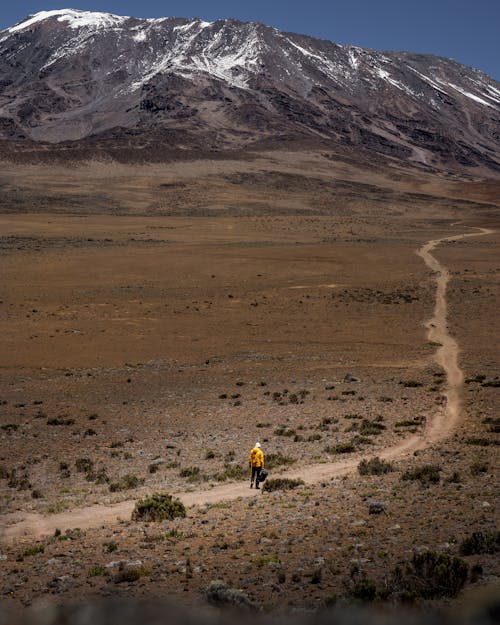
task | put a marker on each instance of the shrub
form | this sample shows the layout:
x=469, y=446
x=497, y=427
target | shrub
x=99, y=477
x=481, y=442
x=158, y=507
x=126, y=482
x=189, y=471
x=129, y=574
x=64, y=470
x=110, y=546
x=405, y=423
x=21, y=482
x=278, y=460
x=232, y=471
x=96, y=571
x=210, y=454
x=84, y=465
x=57, y=421
x=430, y=575
x=10, y=427
x=410, y=383
x=264, y=561
x=282, y=483
x=480, y=542
x=361, y=440
x=479, y=468
x=220, y=594
x=369, y=428
x=33, y=551
x=314, y=437
x=341, y=448
x=193, y=474
x=425, y=474
x=365, y=589
x=374, y=466
x=282, y=430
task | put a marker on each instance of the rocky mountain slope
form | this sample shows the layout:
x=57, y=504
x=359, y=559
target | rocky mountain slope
x=74, y=76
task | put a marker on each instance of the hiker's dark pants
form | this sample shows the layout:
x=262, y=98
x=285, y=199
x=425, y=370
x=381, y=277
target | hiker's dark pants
x=256, y=475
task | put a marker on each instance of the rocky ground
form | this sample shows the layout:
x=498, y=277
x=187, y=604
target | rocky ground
x=146, y=351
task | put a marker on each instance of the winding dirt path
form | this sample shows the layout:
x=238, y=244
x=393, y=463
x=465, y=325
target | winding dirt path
x=24, y=525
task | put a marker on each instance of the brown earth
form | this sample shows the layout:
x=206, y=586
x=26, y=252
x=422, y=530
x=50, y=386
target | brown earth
x=154, y=319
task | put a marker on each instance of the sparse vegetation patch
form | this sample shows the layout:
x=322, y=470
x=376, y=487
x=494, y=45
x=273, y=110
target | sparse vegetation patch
x=158, y=507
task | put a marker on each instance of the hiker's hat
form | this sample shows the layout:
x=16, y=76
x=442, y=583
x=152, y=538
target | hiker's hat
x=257, y=444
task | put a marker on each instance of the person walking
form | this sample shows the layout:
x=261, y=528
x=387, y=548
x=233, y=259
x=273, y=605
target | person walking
x=256, y=462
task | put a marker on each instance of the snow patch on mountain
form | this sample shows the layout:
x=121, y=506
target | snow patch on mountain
x=231, y=62
x=470, y=95
x=382, y=73
x=74, y=18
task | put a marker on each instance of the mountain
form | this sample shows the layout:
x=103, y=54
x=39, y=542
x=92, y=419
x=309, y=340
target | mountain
x=80, y=78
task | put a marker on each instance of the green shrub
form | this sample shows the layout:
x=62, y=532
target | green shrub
x=282, y=430
x=232, y=471
x=110, y=546
x=430, y=575
x=264, y=561
x=277, y=460
x=425, y=474
x=129, y=574
x=480, y=542
x=314, y=437
x=96, y=571
x=361, y=440
x=33, y=551
x=282, y=483
x=370, y=428
x=374, y=466
x=99, y=477
x=158, y=507
x=127, y=482
x=341, y=448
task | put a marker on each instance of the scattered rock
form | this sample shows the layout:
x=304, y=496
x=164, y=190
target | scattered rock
x=351, y=378
x=375, y=507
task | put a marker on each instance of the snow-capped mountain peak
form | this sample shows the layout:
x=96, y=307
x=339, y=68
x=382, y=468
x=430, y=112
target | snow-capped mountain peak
x=73, y=18
x=69, y=74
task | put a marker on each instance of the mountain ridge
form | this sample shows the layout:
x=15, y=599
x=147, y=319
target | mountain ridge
x=79, y=76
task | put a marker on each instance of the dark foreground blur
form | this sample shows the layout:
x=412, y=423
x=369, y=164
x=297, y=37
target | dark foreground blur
x=480, y=608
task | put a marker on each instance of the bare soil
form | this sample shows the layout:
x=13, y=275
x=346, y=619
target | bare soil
x=165, y=318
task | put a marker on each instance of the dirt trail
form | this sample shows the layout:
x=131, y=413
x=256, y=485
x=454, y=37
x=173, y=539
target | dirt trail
x=25, y=525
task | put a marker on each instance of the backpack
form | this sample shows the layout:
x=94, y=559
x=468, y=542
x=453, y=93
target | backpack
x=263, y=475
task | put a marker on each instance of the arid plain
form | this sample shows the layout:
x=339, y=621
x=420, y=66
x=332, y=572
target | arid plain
x=157, y=320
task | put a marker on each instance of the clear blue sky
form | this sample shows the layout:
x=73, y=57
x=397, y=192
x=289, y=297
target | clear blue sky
x=465, y=30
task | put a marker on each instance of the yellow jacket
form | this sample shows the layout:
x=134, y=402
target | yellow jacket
x=256, y=457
